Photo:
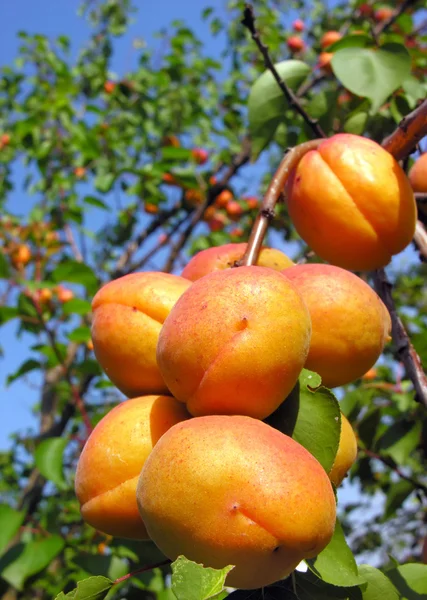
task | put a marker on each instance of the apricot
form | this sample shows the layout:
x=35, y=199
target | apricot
x=295, y=43
x=346, y=454
x=150, y=208
x=298, y=25
x=418, y=174
x=235, y=342
x=329, y=38
x=223, y=198
x=200, y=155
x=350, y=323
x=217, y=222
x=231, y=490
x=21, y=255
x=112, y=459
x=128, y=314
x=383, y=14
x=324, y=61
x=224, y=257
x=352, y=203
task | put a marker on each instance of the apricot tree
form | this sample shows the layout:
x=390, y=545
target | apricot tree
x=145, y=181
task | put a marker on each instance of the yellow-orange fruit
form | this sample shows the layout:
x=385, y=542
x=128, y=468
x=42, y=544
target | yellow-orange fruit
x=235, y=342
x=418, y=174
x=112, y=459
x=324, y=61
x=224, y=257
x=350, y=323
x=346, y=454
x=21, y=255
x=227, y=490
x=329, y=38
x=352, y=203
x=128, y=314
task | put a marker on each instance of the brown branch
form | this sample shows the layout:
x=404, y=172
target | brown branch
x=388, y=462
x=404, y=348
x=249, y=22
x=410, y=131
x=70, y=239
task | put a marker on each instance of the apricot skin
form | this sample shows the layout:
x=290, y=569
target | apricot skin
x=227, y=490
x=346, y=454
x=128, y=314
x=224, y=257
x=418, y=174
x=351, y=202
x=112, y=459
x=235, y=342
x=350, y=323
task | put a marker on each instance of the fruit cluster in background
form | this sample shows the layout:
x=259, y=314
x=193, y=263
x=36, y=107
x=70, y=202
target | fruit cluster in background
x=207, y=356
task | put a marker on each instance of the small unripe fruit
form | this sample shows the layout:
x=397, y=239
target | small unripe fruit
x=215, y=352
x=150, y=208
x=346, y=454
x=329, y=38
x=383, y=14
x=109, y=87
x=366, y=212
x=298, y=25
x=227, y=490
x=418, y=174
x=21, y=256
x=295, y=43
x=234, y=210
x=200, y=155
x=223, y=198
x=350, y=323
x=112, y=458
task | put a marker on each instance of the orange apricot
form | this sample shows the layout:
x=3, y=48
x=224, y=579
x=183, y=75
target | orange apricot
x=295, y=43
x=352, y=203
x=324, y=61
x=224, y=257
x=112, y=459
x=128, y=314
x=227, y=490
x=329, y=38
x=350, y=324
x=21, y=255
x=346, y=454
x=418, y=174
x=223, y=198
x=216, y=353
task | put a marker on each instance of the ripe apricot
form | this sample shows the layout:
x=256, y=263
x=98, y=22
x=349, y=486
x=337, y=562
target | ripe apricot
x=252, y=202
x=223, y=257
x=346, y=454
x=384, y=13
x=350, y=323
x=216, y=352
x=109, y=87
x=295, y=43
x=352, y=203
x=329, y=38
x=298, y=25
x=234, y=210
x=21, y=255
x=324, y=61
x=232, y=490
x=79, y=172
x=150, y=208
x=112, y=459
x=194, y=197
x=127, y=317
x=217, y=222
x=64, y=294
x=418, y=174
x=223, y=198
x=200, y=155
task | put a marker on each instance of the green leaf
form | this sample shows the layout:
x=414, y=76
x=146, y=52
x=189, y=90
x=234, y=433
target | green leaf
x=267, y=104
x=191, y=581
x=7, y=313
x=410, y=580
x=49, y=458
x=372, y=73
x=400, y=440
x=75, y=272
x=104, y=183
x=311, y=415
x=29, y=559
x=4, y=267
x=396, y=496
x=92, y=201
x=112, y=567
x=378, y=586
x=76, y=306
x=79, y=335
x=172, y=153
x=336, y=564
x=26, y=367
x=351, y=41
x=93, y=588
x=10, y=522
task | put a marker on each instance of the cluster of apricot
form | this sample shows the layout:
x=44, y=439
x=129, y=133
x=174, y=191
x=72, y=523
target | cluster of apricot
x=205, y=356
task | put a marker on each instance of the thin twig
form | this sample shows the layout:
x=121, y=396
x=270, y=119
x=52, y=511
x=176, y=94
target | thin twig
x=410, y=131
x=164, y=563
x=391, y=465
x=70, y=239
x=404, y=348
x=249, y=22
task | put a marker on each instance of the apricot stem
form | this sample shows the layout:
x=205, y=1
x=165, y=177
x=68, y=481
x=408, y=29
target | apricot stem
x=274, y=192
x=142, y=570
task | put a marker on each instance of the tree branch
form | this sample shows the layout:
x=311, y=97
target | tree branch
x=249, y=22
